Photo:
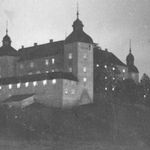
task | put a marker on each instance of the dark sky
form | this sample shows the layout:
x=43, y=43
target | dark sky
x=111, y=23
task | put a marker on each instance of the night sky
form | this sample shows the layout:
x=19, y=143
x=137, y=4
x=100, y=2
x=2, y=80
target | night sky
x=111, y=24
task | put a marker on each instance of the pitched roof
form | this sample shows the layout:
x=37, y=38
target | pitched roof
x=8, y=51
x=105, y=57
x=44, y=50
x=38, y=77
x=17, y=98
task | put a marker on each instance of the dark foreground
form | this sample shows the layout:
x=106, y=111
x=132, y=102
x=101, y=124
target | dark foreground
x=91, y=127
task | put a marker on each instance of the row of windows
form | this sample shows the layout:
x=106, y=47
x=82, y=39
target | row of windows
x=70, y=56
x=113, y=68
x=38, y=72
x=67, y=91
x=35, y=83
x=47, y=62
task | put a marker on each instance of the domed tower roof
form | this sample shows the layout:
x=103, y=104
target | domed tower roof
x=130, y=62
x=6, y=40
x=78, y=35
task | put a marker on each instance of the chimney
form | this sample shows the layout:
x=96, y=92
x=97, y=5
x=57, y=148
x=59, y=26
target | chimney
x=22, y=46
x=51, y=40
x=35, y=44
x=106, y=50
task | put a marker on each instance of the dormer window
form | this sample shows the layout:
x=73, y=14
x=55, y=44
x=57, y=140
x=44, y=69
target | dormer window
x=70, y=56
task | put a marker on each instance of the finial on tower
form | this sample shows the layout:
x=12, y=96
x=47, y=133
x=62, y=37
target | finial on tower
x=130, y=46
x=77, y=10
x=7, y=27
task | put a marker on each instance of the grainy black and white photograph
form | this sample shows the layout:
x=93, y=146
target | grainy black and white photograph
x=74, y=74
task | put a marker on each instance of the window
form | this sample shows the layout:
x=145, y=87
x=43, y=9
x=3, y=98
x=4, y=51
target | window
x=105, y=66
x=73, y=91
x=26, y=84
x=144, y=96
x=85, y=56
x=31, y=64
x=53, y=60
x=105, y=88
x=66, y=91
x=47, y=71
x=18, y=85
x=84, y=69
x=10, y=86
x=54, y=81
x=123, y=78
x=123, y=70
x=35, y=83
x=53, y=70
x=105, y=77
x=44, y=82
x=113, y=78
x=70, y=69
x=0, y=87
x=70, y=56
x=38, y=72
x=84, y=79
x=113, y=68
x=21, y=66
x=113, y=89
x=97, y=65
x=46, y=62
x=30, y=73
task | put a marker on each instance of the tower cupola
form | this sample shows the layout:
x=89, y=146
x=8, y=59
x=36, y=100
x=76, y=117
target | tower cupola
x=6, y=40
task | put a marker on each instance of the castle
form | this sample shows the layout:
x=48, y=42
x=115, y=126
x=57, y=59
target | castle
x=57, y=74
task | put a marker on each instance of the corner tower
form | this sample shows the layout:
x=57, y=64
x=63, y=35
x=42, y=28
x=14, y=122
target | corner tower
x=133, y=72
x=78, y=59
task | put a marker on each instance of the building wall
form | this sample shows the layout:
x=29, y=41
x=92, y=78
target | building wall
x=49, y=94
x=123, y=72
x=134, y=76
x=40, y=65
x=82, y=64
x=8, y=66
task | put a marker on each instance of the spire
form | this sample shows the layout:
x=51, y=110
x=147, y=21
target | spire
x=77, y=10
x=130, y=46
x=6, y=27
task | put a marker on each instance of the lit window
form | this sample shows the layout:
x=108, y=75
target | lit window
x=97, y=65
x=38, y=72
x=73, y=91
x=35, y=83
x=10, y=86
x=21, y=66
x=53, y=60
x=31, y=64
x=53, y=70
x=113, y=68
x=0, y=76
x=85, y=56
x=30, y=73
x=84, y=69
x=105, y=88
x=123, y=70
x=70, y=69
x=113, y=89
x=105, y=77
x=47, y=71
x=18, y=85
x=66, y=91
x=44, y=82
x=46, y=62
x=84, y=79
x=113, y=78
x=0, y=87
x=144, y=96
x=54, y=81
x=70, y=56
x=105, y=66
x=123, y=78
x=26, y=84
